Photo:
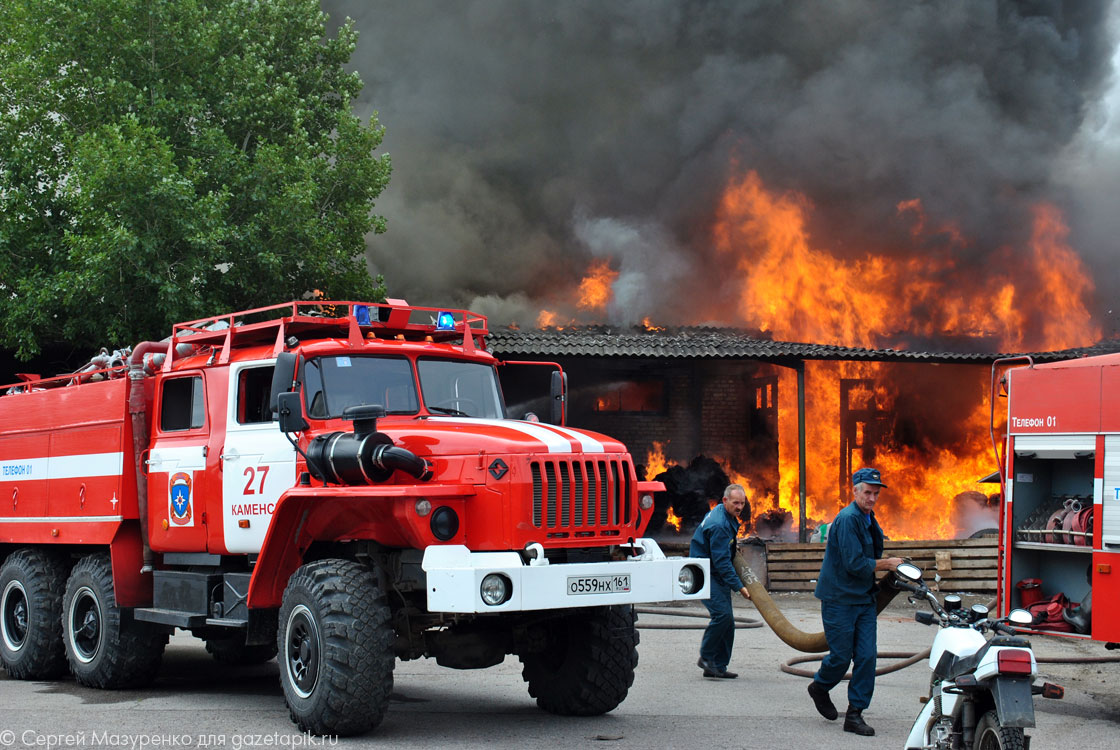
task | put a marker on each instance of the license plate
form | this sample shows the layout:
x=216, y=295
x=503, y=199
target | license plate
x=618, y=584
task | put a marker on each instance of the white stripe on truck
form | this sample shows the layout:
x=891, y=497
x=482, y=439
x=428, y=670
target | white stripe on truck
x=556, y=439
x=62, y=467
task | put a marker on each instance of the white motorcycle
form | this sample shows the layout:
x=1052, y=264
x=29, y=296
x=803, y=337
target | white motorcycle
x=982, y=689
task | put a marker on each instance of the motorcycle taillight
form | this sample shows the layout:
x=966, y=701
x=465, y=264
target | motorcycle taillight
x=1014, y=661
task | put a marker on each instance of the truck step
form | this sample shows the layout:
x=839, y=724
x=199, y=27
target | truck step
x=169, y=617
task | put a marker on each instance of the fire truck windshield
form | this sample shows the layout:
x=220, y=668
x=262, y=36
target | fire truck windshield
x=460, y=388
x=336, y=382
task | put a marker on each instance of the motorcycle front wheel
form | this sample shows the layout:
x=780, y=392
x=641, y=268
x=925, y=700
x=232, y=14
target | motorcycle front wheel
x=991, y=735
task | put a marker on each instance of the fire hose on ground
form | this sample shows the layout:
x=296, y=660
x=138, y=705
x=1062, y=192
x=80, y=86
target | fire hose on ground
x=815, y=644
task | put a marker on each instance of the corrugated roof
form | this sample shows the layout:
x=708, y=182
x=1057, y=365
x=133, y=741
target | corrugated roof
x=696, y=342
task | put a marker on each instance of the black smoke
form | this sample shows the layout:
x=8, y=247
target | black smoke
x=531, y=136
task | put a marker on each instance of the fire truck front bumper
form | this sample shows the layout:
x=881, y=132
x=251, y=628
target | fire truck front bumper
x=459, y=580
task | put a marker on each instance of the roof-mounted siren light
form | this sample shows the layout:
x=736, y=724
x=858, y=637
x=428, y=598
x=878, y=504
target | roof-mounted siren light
x=361, y=314
x=394, y=313
x=445, y=321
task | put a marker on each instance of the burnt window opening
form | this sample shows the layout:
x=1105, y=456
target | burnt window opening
x=864, y=425
x=630, y=396
x=254, y=391
x=182, y=407
x=762, y=413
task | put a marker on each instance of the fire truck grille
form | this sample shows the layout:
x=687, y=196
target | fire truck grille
x=581, y=495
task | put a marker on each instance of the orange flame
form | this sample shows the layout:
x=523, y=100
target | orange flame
x=595, y=289
x=655, y=460
x=793, y=287
x=673, y=519
x=546, y=319
x=799, y=291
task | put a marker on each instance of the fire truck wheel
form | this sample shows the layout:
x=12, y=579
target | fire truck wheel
x=103, y=651
x=31, y=584
x=587, y=664
x=991, y=735
x=234, y=651
x=335, y=648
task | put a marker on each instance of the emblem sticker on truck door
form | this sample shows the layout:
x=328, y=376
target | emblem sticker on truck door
x=179, y=507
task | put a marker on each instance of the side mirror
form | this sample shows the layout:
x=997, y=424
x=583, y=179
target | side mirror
x=559, y=396
x=1020, y=617
x=291, y=413
x=909, y=572
x=283, y=376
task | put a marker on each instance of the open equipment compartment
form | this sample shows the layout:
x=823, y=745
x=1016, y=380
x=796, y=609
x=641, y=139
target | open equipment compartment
x=1060, y=531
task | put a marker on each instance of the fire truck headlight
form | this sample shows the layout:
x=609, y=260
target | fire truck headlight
x=645, y=502
x=495, y=589
x=423, y=507
x=444, y=523
x=690, y=579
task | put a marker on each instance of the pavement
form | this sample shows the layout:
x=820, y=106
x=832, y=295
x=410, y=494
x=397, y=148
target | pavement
x=196, y=702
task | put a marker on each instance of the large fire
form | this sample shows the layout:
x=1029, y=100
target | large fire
x=928, y=433
x=800, y=292
x=1021, y=299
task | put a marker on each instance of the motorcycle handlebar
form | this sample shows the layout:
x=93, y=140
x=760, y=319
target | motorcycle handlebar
x=901, y=584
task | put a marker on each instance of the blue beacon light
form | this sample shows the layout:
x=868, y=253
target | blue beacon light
x=445, y=321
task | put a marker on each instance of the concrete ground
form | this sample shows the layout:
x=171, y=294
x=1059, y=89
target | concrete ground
x=196, y=701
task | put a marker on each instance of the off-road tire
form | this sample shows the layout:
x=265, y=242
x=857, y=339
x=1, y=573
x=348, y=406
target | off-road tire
x=234, y=652
x=335, y=648
x=587, y=666
x=31, y=586
x=104, y=649
x=990, y=735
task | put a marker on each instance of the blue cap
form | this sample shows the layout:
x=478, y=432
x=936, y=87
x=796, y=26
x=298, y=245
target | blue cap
x=867, y=476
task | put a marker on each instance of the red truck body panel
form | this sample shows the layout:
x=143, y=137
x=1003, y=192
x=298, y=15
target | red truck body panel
x=1060, y=523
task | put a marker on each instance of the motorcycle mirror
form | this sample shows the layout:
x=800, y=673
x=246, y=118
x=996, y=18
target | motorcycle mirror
x=909, y=572
x=1020, y=617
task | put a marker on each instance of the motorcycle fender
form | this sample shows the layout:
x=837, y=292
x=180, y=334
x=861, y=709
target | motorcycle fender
x=1014, y=702
x=919, y=733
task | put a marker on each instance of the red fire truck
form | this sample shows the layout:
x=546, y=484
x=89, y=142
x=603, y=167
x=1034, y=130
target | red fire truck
x=335, y=484
x=1060, y=477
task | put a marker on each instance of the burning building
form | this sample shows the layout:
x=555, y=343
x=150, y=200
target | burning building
x=701, y=407
x=900, y=375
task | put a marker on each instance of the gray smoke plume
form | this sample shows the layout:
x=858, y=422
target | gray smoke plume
x=529, y=137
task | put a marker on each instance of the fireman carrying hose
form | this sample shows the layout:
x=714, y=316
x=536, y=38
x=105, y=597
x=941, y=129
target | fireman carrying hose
x=715, y=540
x=846, y=588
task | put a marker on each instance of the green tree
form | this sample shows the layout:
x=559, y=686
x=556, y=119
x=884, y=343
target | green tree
x=165, y=160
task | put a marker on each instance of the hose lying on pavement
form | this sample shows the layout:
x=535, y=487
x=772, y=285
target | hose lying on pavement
x=741, y=623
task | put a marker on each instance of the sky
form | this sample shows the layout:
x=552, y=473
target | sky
x=530, y=139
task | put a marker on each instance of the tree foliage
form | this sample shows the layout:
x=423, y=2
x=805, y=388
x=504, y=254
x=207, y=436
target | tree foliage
x=165, y=160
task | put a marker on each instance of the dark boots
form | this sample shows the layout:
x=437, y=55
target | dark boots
x=853, y=722
x=822, y=701
x=710, y=671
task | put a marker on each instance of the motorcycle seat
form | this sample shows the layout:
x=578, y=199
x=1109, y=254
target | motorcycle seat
x=950, y=667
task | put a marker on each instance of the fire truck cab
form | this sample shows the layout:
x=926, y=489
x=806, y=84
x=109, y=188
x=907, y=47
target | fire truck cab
x=335, y=484
x=1060, y=477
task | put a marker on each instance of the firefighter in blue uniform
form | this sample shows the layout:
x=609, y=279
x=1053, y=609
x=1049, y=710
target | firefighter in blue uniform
x=846, y=588
x=715, y=540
